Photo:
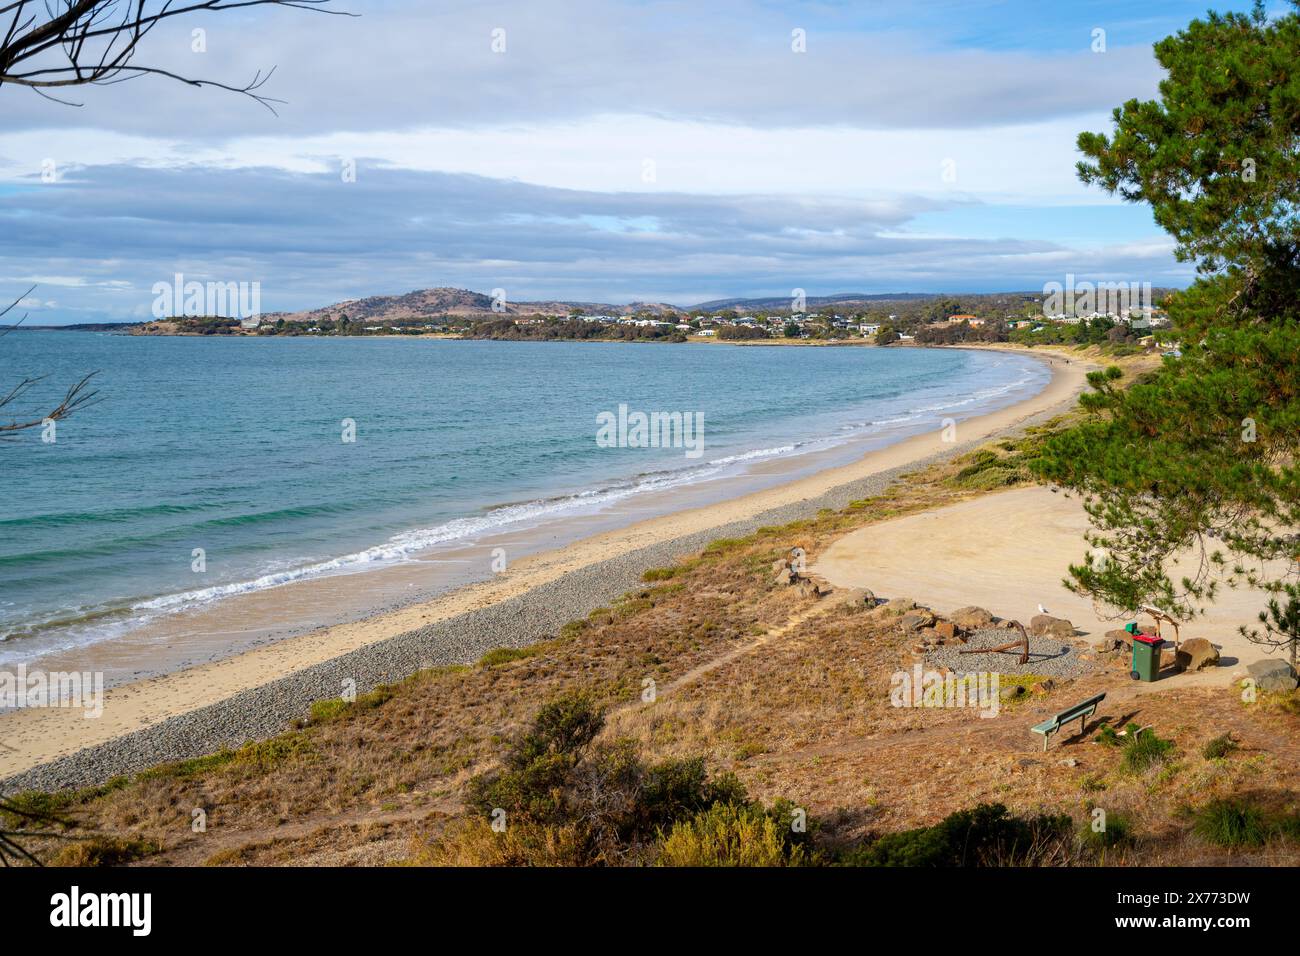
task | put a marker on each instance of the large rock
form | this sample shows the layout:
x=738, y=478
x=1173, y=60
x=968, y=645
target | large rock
x=1273, y=675
x=916, y=619
x=1044, y=625
x=1120, y=637
x=1197, y=653
x=858, y=596
x=1108, y=643
x=947, y=629
x=784, y=576
x=971, y=618
x=893, y=608
x=814, y=587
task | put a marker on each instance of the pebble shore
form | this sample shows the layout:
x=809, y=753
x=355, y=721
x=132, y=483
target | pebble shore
x=1048, y=656
x=537, y=614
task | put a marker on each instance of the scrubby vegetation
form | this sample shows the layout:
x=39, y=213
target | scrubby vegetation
x=1219, y=747
x=986, y=835
x=1142, y=747
x=560, y=799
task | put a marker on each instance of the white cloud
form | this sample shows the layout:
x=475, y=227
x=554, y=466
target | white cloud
x=1005, y=164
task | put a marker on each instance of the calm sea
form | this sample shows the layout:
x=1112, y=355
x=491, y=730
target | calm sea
x=236, y=447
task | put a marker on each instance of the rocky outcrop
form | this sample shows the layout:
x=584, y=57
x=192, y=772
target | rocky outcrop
x=916, y=619
x=855, y=597
x=1108, y=643
x=1273, y=675
x=971, y=618
x=1121, y=637
x=950, y=631
x=1044, y=625
x=814, y=587
x=1196, y=654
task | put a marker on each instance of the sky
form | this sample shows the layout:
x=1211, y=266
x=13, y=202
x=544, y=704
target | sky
x=610, y=151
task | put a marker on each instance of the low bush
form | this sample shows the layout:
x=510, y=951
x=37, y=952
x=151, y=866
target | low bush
x=1232, y=823
x=732, y=834
x=103, y=851
x=1143, y=747
x=985, y=835
x=662, y=574
x=1219, y=747
x=1118, y=831
x=561, y=799
x=505, y=655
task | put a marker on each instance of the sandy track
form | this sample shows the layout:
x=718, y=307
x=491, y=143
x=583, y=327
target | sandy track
x=1008, y=552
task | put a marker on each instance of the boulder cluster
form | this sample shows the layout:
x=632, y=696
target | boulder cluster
x=786, y=572
x=930, y=630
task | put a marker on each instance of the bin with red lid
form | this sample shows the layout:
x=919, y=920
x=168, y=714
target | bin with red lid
x=1146, y=657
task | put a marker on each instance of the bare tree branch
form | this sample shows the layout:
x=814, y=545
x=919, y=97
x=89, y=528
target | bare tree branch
x=77, y=397
x=62, y=43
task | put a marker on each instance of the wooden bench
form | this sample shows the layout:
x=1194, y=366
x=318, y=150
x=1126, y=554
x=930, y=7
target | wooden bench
x=1080, y=712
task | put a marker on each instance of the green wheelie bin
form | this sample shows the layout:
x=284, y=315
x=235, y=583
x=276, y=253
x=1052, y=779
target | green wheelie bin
x=1146, y=657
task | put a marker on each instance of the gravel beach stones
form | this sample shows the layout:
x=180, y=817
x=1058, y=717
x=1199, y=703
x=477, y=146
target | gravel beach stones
x=1048, y=656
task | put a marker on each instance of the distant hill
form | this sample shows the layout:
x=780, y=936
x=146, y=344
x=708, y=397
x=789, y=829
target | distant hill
x=441, y=302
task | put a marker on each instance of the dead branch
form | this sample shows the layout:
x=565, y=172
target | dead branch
x=61, y=43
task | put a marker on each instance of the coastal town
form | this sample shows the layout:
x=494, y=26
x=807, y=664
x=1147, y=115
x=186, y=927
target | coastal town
x=1024, y=318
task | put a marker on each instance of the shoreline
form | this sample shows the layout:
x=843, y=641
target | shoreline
x=258, y=692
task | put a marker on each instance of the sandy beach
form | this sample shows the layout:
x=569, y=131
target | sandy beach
x=34, y=737
x=1008, y=552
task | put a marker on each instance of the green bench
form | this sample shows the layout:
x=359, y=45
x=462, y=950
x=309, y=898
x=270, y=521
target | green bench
x=1079, y=712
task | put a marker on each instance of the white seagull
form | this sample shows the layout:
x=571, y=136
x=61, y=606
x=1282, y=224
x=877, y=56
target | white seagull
x=1041, y=609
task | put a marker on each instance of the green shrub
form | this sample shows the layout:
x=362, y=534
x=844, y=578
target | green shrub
x=103, y=851
x=539, y=767
x=1118, y=831
x=323, y=711
x=986, y=835
x=1142, y=746
x=473, y=842
x=568, y=800
x=731, y=834
x=1145, y=749
x=724, y=545
x=260, y=756
x=1220, y=746
x=505, y=655
x=661, y=574
x=1231, y=823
